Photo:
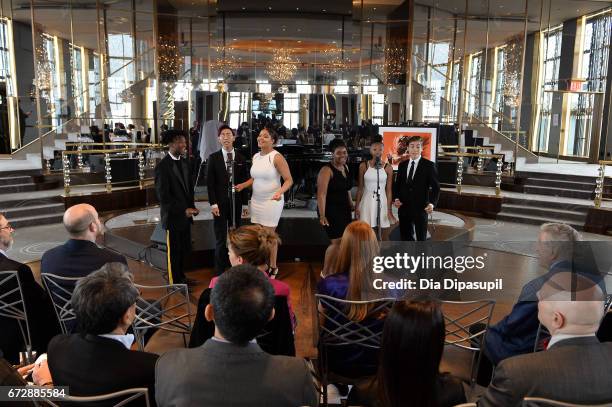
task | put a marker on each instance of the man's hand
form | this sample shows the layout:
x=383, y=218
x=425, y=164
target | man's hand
x=41, y=374
x=429, y=208
x=189, y=212
x=25, y=370
x=397, y=203
x=215, y=211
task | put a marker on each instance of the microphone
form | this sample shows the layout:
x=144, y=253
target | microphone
x=377, y=163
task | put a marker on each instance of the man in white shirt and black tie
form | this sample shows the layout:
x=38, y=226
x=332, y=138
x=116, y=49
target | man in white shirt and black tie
x=221, y=164
x=415, y=192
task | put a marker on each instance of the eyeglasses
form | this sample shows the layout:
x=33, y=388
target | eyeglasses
x=7, y=226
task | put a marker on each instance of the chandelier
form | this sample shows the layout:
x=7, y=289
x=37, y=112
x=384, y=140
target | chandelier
x=335, y=63
x=394, y=66
x=44, y=71
x=169, y=60
x=225, y=64
x=512, y=71
x=283, y=66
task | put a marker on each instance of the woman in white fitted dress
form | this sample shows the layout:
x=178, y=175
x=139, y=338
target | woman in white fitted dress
x=267, y=200
x=366, y=205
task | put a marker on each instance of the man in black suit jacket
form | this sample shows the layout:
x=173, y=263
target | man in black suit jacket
x=415, y=191
x=174, y=188
x=220, y=164
x=43, y=324
x=576, y=367
x=98, y=360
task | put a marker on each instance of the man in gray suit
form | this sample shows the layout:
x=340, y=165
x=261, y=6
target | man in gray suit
x=576, y=367
x=230, y=369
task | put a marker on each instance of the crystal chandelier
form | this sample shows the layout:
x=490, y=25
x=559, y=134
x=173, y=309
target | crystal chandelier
x=394, y=66
x=169, y=60
x=44, y=71
x=512, y=67
x=225, y=64
x=335, y=63
x=283, y=66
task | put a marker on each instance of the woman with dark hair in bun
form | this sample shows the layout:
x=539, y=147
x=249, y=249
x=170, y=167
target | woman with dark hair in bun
x=334, y=200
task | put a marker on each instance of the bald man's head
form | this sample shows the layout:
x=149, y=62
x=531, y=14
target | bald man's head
x=81, y=221
x=570, y=303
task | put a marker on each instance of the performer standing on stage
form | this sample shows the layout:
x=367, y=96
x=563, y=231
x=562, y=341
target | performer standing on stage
x=174, y=188
x=267, y=200
x=375, y=177
x=415, y=191
x=222, y=165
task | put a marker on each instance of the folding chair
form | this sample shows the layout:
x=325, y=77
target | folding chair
x=121, y=398
x=337, y=330
x=12, y=304
x=60, y=291
x=465, y=315
x=167, y=312
x=542, y=402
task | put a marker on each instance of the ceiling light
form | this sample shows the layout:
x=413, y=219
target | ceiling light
x=324, y=10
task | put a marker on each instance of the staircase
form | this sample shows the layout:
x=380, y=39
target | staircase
x=27, y=203
x=536, y=211
x=502, y=145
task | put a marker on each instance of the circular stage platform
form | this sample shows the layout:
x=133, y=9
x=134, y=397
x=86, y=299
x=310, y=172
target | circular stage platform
x=132, y=234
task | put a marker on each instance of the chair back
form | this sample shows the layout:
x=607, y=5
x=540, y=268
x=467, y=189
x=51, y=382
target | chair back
x=168, y=310
x=60, y=291
x=542, y=402
x=116, y=399
x=466, y=324
x=12, y=304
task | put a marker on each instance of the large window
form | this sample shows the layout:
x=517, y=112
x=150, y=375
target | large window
x=55, y=94
x=93, y=75
x=551, y=52
x=77, y=80
x=121, y=75
x=435, y=82
x=238, y=105
x=500, y=77
x=473, y=97
x=596, y=51
x=378, y=109
x=291, y=110
x=5, y=58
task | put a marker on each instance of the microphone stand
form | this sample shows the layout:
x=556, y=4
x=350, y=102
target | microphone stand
x=232, y=190
x=377, y=195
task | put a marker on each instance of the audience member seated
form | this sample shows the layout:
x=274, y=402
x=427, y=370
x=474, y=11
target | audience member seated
x=80, y=255
x=230, y=369
x=98, y=359
x=41, y=317
x=408, y=374
x=516, y=333
x=349, y=281
x=576, y=367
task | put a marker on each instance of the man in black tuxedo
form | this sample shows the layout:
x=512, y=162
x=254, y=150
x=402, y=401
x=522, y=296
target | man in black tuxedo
x=174, y=187
x=98, y=359
x=43, y=324
x=415, y=191
x=220, y=164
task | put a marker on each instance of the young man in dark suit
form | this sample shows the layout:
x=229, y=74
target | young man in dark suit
x=415, y=191
x=221, y=164
x=174, y=187
x=98, y=359
x=43, y=324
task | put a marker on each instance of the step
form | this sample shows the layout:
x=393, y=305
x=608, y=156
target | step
x=562, y=214
x=558, y=177
x=15, y=180
x=17, y=200
x=47, y=219
x=31, y=210
x=534, y=220
x=554, y=183
x=544, y=201
x=8, y=189
x=565, y=192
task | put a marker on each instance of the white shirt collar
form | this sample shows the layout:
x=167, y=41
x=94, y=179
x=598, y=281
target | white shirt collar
x=214, y=338
x=127, y=340
x=2, y=252
x=173, y=157
x=561, y=337
x=225, y=153
x=416, y=162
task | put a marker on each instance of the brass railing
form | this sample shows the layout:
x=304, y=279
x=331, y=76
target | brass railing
x=143, y=163
x=478, y=149
x=460, y=156
x=600, y=182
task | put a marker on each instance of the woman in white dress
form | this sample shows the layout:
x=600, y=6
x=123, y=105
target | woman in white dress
x=366, y=205
x=267, y=200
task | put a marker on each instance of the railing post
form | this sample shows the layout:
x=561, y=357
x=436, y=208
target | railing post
x=47, y=166
x=459, y=173
x=498, y=174
x=480, y=163
x=80, y=157
x=141, y=169
x=109, y=177
x=599, y=185
x=66, y=167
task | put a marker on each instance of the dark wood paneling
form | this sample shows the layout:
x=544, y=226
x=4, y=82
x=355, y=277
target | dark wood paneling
x=116, y=200
x=483, y=205
x=599, y=220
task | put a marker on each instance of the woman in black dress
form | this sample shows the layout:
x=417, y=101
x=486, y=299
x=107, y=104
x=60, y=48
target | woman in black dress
x=334, y=200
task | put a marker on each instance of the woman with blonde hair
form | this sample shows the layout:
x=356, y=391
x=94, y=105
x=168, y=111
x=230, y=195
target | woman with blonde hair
x=351, y=280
